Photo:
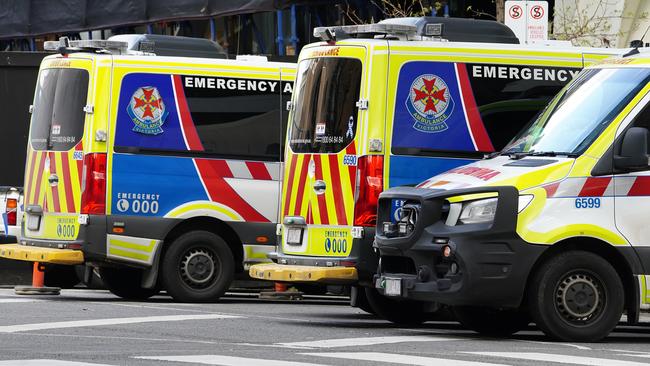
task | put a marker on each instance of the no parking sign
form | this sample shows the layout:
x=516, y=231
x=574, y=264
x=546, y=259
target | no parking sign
x=528, y=19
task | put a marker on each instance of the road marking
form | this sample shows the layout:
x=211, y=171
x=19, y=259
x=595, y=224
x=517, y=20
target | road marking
x=400, y=359
x=7, y=301
x=47, y=362
x=112, y=321
x=643, y=355
x=548, y=357
x=363, y=341
x=227, y=360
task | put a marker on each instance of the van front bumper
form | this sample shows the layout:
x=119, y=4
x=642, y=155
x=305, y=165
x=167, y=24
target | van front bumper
x=488, y=263
x=293, y=273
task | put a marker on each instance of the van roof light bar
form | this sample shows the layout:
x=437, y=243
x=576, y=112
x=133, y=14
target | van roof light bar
x=65, y=45
x=423, y=29
x=330, y=34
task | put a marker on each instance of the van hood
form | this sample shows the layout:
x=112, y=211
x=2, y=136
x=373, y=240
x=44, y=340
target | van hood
x=524, y=173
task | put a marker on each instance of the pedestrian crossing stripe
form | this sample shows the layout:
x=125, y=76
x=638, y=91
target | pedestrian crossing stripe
x=226, y=360
x=400, y=359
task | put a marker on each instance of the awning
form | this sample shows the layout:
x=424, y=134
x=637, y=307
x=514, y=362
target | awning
x=29, y=18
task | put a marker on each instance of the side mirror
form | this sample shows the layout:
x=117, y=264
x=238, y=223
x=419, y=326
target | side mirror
x=634, y=150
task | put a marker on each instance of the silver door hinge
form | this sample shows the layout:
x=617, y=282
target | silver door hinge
x=362, y=104
x=89, y=108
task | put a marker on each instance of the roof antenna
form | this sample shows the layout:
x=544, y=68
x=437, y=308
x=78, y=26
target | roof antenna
x=636, y=44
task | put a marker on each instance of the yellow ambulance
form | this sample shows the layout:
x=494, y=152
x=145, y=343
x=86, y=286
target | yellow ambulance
x=392, y=104
x=161, y=172
x=552, y=230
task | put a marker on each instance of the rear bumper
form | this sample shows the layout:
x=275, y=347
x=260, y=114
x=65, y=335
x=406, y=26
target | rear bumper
x=293, y=273
x=40, y=254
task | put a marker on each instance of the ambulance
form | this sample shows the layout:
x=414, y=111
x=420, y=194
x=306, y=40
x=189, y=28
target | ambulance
x=392, y=104
x=554, y=229
x=160, y=172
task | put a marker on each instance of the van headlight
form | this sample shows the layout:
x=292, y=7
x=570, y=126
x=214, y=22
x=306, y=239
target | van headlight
x=479, y=211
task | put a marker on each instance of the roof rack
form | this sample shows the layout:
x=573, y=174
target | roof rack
x=423, y=29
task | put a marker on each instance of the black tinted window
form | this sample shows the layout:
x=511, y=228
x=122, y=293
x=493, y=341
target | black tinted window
x=58, y=116
x=325, y=112
x=245, y=121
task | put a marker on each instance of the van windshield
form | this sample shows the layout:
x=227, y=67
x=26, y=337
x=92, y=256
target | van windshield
x=325, y=113
x=58, y=115
x=575, y=118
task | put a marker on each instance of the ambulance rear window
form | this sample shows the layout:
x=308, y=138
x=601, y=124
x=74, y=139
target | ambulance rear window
x=325, y=112
x=58, y=116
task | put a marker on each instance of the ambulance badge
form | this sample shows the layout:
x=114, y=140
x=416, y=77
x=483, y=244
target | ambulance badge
x=429, y=103
x=147, y=111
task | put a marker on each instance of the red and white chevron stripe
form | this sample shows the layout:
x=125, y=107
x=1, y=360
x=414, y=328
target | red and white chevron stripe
x=606, y=186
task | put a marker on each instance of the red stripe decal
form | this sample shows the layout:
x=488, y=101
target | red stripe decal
x=322, y=205
x=39, y=179
x=258, y=170
x=551, y=189
x=290, y=174
x=352, y=170
x=310, y=217
x=55, y=189
x=67, y=181
x=28, y=181
x=477, y=129
x=339, y=202
x=640, y=187
x=212, y=172
x=301, y=183
x=192, y=137
x=594, y=187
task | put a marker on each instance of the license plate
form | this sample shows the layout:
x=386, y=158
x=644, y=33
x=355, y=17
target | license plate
x=33, y=222
x=393, y=287
x=294, y=236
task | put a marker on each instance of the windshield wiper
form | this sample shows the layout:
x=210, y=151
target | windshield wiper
x=518, y=155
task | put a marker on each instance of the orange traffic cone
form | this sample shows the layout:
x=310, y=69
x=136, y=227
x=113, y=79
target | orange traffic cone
x=280, y=287
x=38, y=284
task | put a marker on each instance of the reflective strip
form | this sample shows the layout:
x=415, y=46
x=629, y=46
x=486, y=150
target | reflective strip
x=133, y=248
x=622, y=186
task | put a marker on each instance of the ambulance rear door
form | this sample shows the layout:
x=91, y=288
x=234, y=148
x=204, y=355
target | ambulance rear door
x=55, y=153
x=322, y=155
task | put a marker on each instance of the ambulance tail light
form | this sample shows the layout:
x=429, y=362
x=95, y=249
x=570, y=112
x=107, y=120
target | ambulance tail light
x=11, y=208
x=93, y=185
x=370, y=183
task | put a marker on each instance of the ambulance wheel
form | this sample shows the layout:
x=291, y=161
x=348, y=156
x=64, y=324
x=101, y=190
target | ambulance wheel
x=125, y=283
x=405, y=312
x=491, y=322
x=198, y=267
x=576, y=296
x=358, y=299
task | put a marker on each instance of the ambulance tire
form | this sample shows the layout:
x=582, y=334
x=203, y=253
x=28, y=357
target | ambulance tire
x=576, y=296
x=405, y=312
x=125, y=283
x=491, y=322
x=361, y=300
x=198, y=267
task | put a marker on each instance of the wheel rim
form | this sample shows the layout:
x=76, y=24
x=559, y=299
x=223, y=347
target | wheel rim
x=579, y=298
x=198, y=267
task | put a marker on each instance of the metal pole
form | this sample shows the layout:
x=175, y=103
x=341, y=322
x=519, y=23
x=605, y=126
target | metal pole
x=213, y=29
x=280, y=39
x=294, y=36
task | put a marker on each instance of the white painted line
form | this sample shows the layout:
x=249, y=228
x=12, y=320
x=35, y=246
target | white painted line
x=226, y=360
x=548, y=357
x=400, y=359
x=9, y=301
x=367, y=341
x=642, y=355
x=47, y=362
x=112, y=321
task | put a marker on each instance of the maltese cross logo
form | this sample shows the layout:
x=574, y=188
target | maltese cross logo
x=429, y=103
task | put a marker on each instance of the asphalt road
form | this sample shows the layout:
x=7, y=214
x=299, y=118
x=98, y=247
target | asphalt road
x=91, y=327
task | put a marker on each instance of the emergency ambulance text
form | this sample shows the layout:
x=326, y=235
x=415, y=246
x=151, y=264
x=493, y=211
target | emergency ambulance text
x=525, y=73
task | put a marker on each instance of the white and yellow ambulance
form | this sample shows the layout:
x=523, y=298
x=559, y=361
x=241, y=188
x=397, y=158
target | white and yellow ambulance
x=162, y=172
x=391, y=104
x=554, y=229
